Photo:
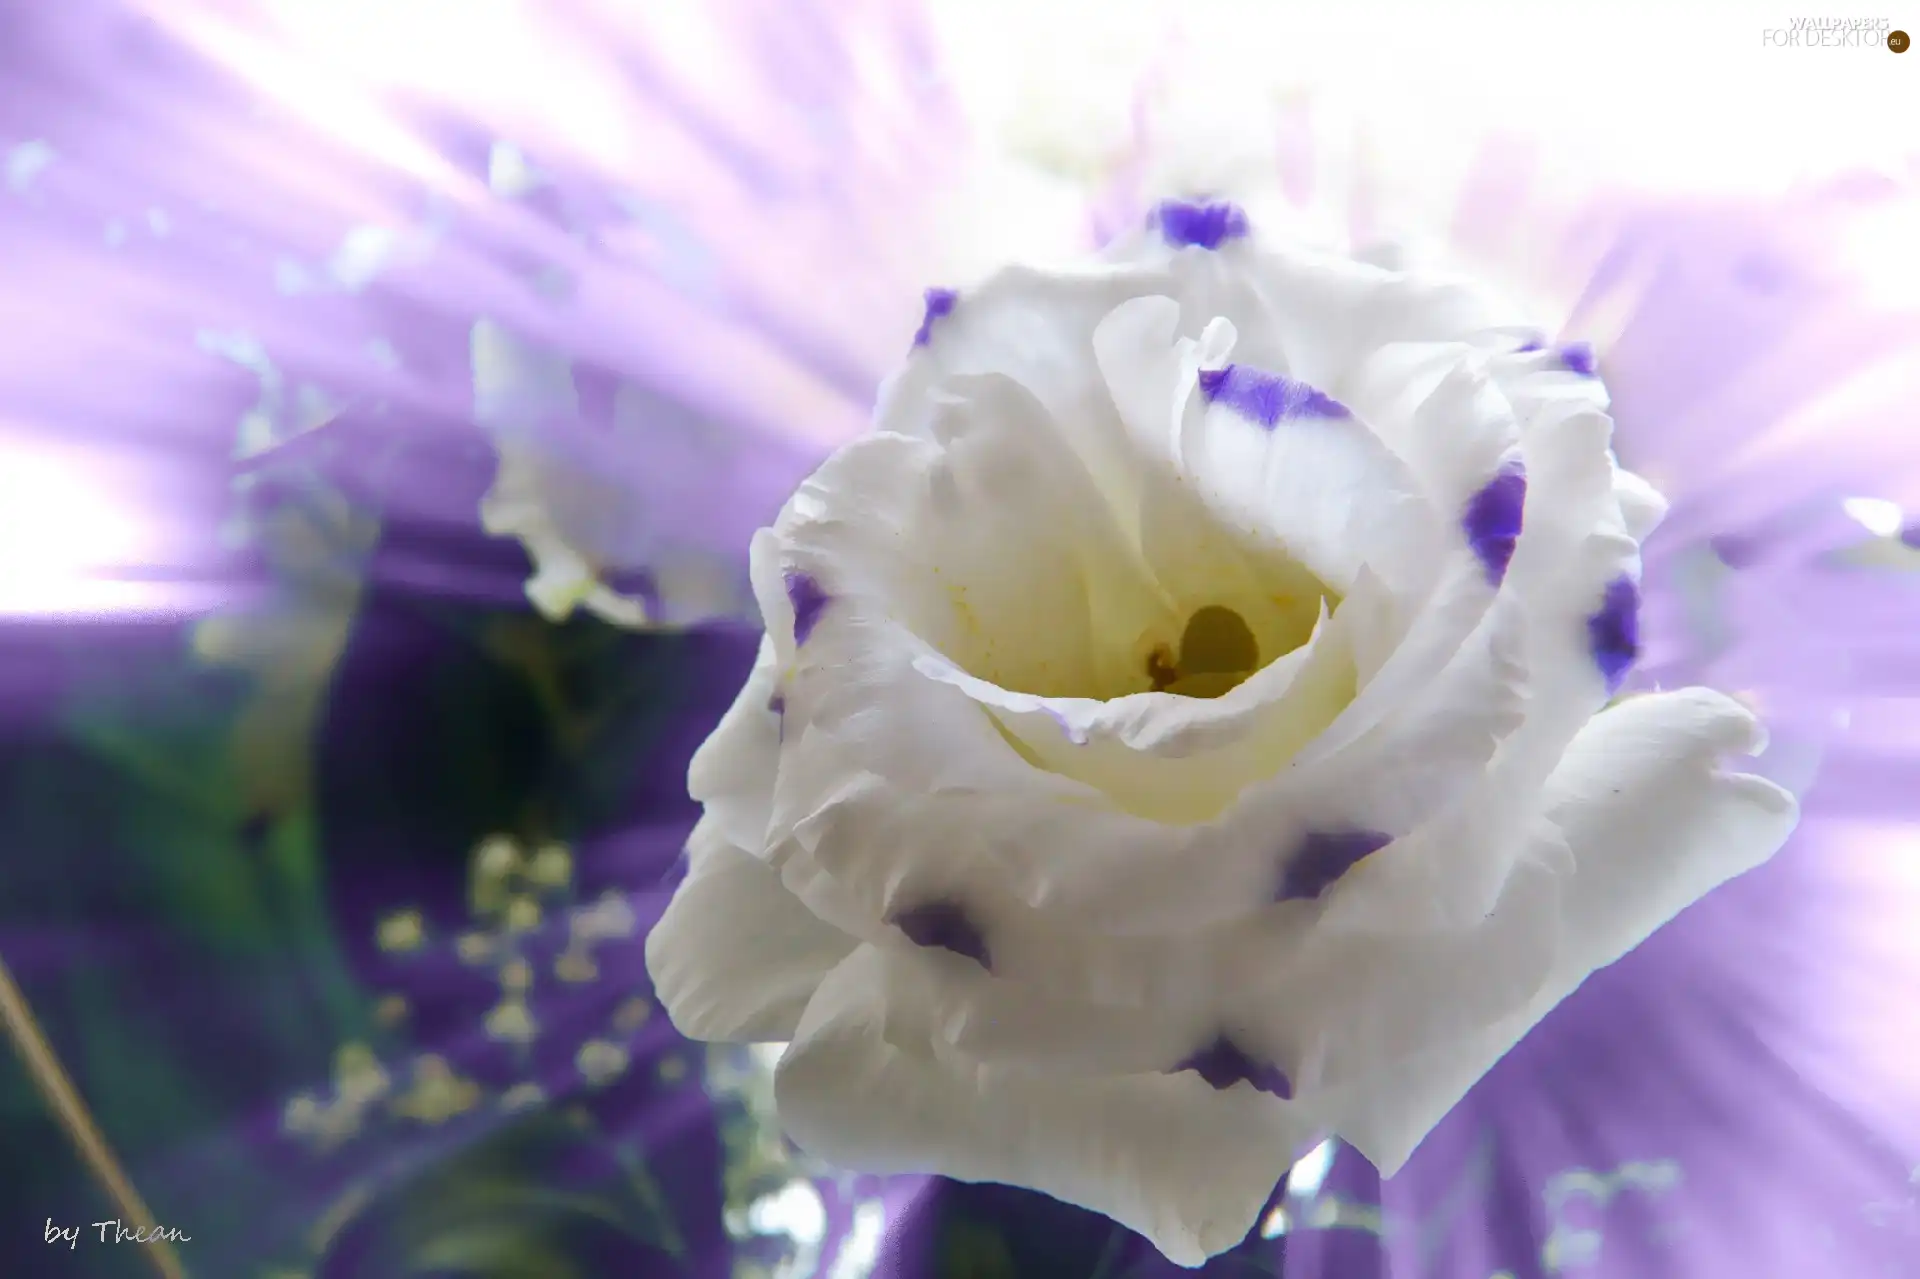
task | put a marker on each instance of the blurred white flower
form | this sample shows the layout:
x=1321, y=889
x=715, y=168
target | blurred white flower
x=1180, y=734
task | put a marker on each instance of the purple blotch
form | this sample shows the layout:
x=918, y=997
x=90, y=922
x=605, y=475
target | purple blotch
x=944, y=925
x=1266, y=398
x=1910, y=536
x=1205, y=226
x=1579, y=358
x=940, y=304
x=809, y=600
x=1323, y=857
x=1614, y=632
x=1529, y=346
x=1223, y=1064
x=1494, y=518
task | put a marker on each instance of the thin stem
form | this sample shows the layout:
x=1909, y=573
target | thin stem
x=37, y=1055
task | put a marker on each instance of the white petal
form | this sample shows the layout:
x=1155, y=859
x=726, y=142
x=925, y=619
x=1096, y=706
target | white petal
x=997, y=1017
x=885, y=529
x=1566, y=553
x=1436, y=628
x=1642, y=507
x=1199, y=552
x=1035, y=327
x=769, y=594
x=1431, y=751
x=986, y=539
x=1344, y=1006
x=1190, y=1168
x=1198, y=560
x=735, y=957
x=1038, y=863
x=1316, y=316
x=733, y=771
x=1557, y=578
x=1321, y=489
x=859, y=847
x=901, y=789
x=1434, y=406
x=1644, y=774
x=1572, y=548
x=1653, y=825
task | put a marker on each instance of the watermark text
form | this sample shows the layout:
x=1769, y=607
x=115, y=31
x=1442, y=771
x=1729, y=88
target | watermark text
x=1833, y=33
x=114, y=1231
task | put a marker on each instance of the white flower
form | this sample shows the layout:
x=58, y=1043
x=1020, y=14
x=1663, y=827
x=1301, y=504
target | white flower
x=1182, y=733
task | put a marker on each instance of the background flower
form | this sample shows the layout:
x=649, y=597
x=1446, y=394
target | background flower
x=245, y=254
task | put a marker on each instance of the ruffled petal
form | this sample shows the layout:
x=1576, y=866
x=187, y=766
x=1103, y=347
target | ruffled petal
x=1277, y=464
x=1314, y=317
x=733, y=771
x=1642, y=507
x=1185, y=1164
x=1431, y=752
x=1652, y=824
x=1570, y=549
x=735, y=957
x=1342, y=1006
x=983, y=538
x=1435, y=405
x=1575, y=549
x=1034, y=327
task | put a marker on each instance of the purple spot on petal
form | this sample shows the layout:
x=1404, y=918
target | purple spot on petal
x=777, y=704
x=1493, y=519
x=940, y=304
x=1205, y=226
x=809, y=600
x=1266, y=398
x=1910, y=536
x=1223, y=1064
x=1579, y=358
x=1529, y=346
x=1323, y=857
x=1614, y=632
x=945, y=926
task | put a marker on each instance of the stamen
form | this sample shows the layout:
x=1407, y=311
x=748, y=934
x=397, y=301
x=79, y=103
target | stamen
x=1161, y=668
x=1218, y=641
x=1217, y=653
